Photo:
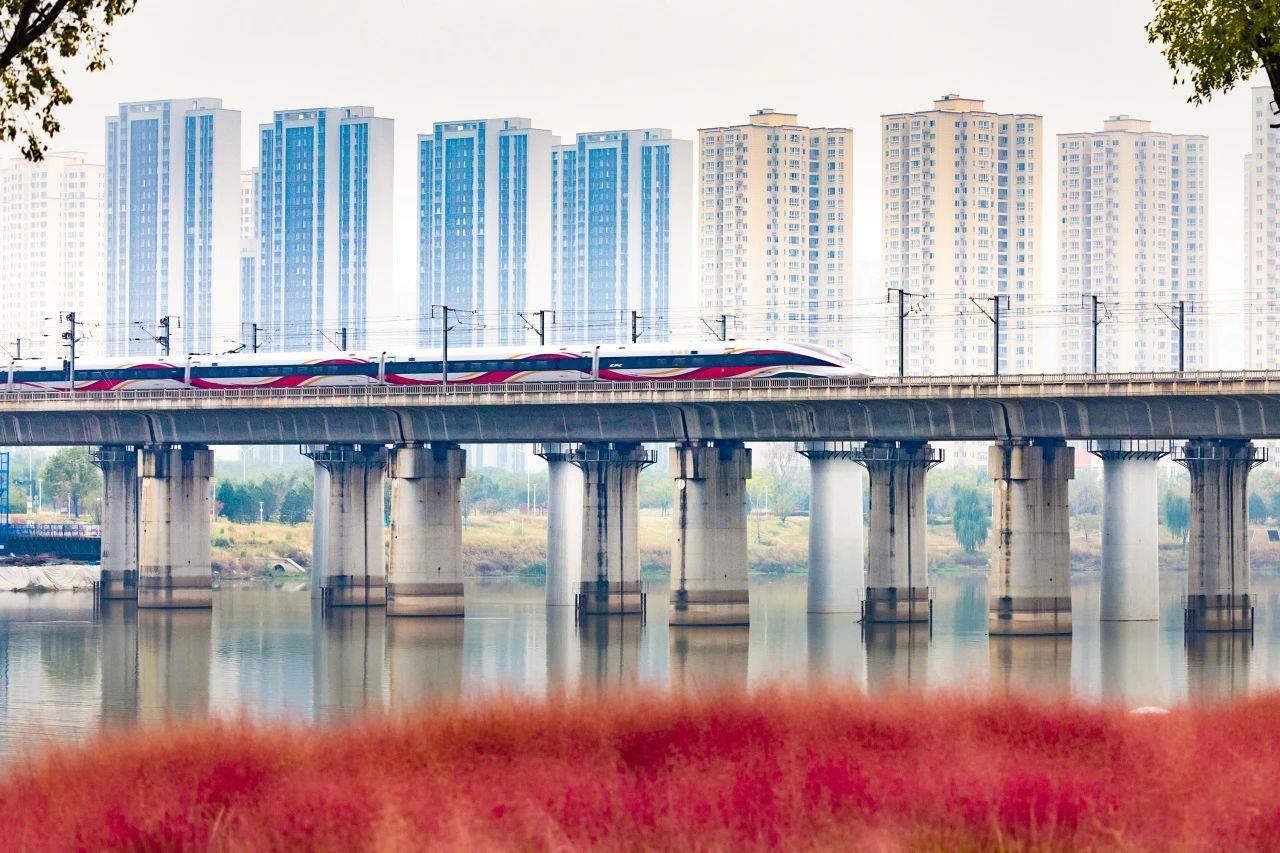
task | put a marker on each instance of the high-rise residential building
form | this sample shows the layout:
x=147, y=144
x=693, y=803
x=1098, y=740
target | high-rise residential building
x=1133, y=212
x=250, y=246
x=1262, y=237
x=325, y=233
x=961, y=218
x=620, y=234
x=484, y=227
x=173, y=171
x=52, y=251
x=775, y=231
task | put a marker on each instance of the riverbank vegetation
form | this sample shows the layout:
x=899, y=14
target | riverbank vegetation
x=776, y=768
x=265, y=518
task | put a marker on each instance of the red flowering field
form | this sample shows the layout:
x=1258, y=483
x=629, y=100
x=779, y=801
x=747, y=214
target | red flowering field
x=788, y=768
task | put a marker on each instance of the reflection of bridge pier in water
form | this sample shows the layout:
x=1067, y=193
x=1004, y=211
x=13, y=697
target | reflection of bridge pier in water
x=1130, y=653
x=1031, y=664
x=564, y=652
x=1218, y=664
x=897, y=656
x=175, y=648
x=424, y=660
x=118, y=627
x=348, y=661
x=835, y=652
x=610, y=651
x=708, y=657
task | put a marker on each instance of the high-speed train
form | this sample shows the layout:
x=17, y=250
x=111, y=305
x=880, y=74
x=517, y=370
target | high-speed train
x=688, y=361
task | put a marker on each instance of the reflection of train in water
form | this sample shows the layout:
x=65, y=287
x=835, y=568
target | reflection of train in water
x=687, y=361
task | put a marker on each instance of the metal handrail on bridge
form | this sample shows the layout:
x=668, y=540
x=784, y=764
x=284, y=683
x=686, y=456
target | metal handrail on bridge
x=47, y=529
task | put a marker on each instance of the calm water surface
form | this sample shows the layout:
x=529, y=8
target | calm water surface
x=68, y=668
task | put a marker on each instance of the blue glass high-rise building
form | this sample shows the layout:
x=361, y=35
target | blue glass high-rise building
x=620, y=233
x=325, y=229
x=250, y=243
x=484, y=237
x=173, y=172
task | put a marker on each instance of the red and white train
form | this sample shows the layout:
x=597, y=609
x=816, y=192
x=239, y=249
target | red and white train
x=689, y=361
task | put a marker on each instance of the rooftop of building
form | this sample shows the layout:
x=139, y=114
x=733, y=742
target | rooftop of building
x=953, y=103
x=353, y=111
x=189, y=104
x=769, y=117
x=1123, y=123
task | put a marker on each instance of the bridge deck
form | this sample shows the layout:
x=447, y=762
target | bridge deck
x=1236, y=404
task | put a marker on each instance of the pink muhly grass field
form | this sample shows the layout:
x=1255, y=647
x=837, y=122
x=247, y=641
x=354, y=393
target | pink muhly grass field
x=779, y=767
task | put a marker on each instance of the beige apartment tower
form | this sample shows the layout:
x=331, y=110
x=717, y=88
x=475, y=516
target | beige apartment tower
x=1261, y=325
x=1133, y=211
x=775, y=202
x=52, y=251
x=961, y=223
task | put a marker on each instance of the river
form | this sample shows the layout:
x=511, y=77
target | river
x=69, y=667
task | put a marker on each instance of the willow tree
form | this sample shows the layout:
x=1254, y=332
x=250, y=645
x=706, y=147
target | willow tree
x=41, y=41
x=1215, y=44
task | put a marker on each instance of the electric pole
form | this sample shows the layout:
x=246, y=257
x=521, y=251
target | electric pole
x=70, y=337
x=162, y=337
x=1182, y=336
x=445, y=329
x=254, y=328
x=340, y=342
x=902, y=324
x=635, y=326
x=1097, y=321
x=994, y=316
x=541, y=329
x=1180, y=323
x=723, y=322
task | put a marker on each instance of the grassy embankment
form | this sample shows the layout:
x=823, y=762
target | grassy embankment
x=509, y=544
x=774, y=769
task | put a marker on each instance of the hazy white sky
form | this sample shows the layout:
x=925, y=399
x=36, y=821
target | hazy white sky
x=574, y=65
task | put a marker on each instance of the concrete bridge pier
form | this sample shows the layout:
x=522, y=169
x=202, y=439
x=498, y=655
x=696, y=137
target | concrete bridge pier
x=1030, y=586
x=836, y=547
x=1218, y=577
x=319, y=528
x=610, y=579
x=1130, y=529
x=709, y=537
x=120, y=495
x=351, y=552
x=424, y=573
x=174, y=537
x=897, y=558
x=564, y=524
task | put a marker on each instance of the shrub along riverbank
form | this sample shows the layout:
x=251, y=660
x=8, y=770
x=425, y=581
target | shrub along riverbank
x=512, y=544
x=801, y=770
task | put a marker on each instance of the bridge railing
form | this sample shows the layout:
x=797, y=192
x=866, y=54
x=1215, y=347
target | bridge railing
x=32, y=529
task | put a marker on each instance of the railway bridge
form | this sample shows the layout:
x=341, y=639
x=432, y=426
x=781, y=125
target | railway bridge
x=154, y=449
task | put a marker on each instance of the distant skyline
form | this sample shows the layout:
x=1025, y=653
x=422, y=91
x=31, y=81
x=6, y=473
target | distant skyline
x=682, y=67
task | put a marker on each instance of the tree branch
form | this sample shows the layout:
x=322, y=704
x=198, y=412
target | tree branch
x=18, y=40
x=47, y=18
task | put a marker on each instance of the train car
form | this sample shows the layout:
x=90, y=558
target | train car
x=684, y=361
